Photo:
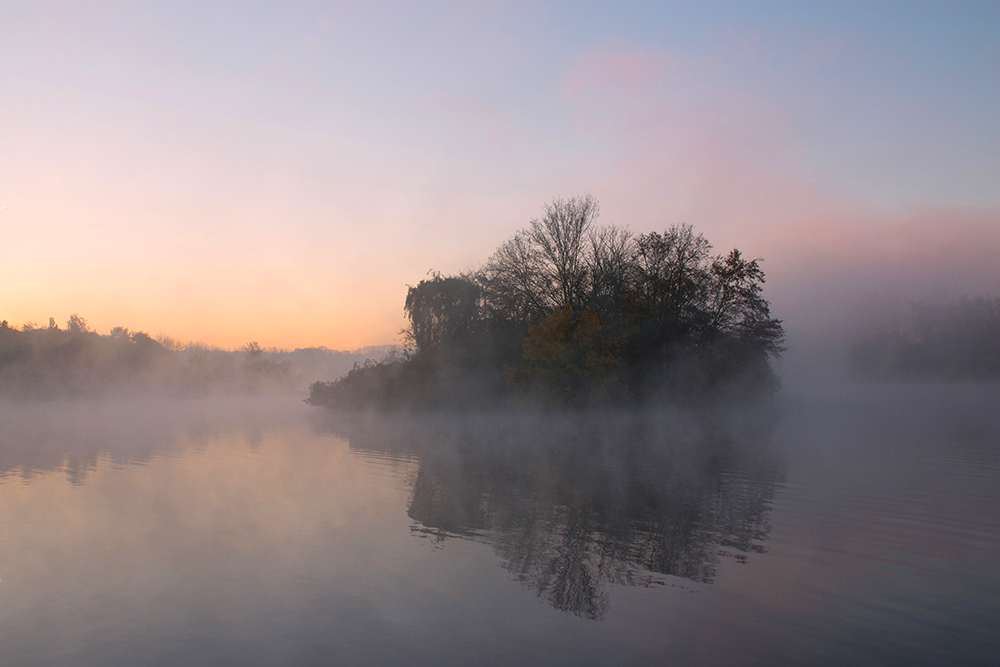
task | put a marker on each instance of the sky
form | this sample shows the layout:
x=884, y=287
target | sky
x=280, y=172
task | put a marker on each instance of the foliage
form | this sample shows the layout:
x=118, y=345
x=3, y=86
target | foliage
x=443, y=312
x=77, y=361
x=576, y=312
x=570, y=355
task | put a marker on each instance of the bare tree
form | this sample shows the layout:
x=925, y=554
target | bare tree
x=560, y=237
x=611, y=265
x=545, y=267
x=514, y=283
x=673, y=272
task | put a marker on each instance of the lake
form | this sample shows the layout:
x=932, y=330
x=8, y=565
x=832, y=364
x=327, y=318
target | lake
x=858, y=524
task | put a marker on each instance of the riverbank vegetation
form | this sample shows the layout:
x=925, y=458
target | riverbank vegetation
x=570, y=312
x=75, y=361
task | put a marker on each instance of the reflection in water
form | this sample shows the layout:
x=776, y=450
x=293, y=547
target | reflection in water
x=241, y=532
x=575, y=503
x=44, y=436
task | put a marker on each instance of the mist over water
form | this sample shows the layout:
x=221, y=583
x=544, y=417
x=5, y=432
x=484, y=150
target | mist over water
x=644, y=471
x=683, y=328
x=856, y=524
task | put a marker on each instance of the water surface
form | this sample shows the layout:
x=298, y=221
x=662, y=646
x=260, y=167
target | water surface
x=855, y=526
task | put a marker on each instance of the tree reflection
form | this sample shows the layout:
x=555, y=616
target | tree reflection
x=576, y=504
x=39, y=437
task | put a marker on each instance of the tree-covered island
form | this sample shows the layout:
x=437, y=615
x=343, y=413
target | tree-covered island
x=567, y=311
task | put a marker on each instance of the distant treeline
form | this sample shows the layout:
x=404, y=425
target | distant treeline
x=569, y=311
x=77, y=361
x=959, y=340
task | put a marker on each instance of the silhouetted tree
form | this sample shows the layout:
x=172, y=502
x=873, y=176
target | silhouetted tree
x=560, y=241
x=76, y=324
x=443, y=313
x=583, y=312
x=672, y=278
x=611, y=263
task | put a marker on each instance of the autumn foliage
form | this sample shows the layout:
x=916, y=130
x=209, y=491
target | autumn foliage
x=569, y=311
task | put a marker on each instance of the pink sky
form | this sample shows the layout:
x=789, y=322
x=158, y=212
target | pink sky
x=283, y=179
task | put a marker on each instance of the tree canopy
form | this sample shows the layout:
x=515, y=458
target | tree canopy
x=572, y=311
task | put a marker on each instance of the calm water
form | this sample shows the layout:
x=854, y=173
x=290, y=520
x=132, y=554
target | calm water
x=858, y=526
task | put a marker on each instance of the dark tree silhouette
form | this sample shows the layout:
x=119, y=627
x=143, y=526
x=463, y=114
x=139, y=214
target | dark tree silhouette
x=443, y=312
x=574, y=311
